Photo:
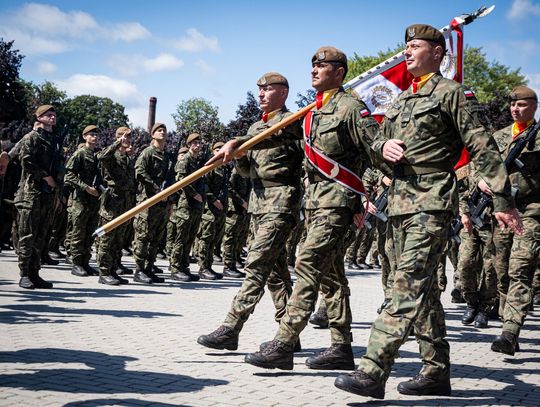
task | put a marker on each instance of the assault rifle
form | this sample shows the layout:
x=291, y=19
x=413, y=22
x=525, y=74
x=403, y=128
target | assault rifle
x=380, y=203
x=479, y=201
x=455, y=227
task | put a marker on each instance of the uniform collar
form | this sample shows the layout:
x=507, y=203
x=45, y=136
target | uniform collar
x=330, y=99
x=427, y=87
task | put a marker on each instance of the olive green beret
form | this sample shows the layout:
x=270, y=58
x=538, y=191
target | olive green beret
x=193, y=136
x=157, y=126
x=218, y=144
x=123, y=131
x=89, y=129
x=424, y=32
x=40, y=111
x=523, y=92
x=329, y=54
x=183, y=150
x=272, y=78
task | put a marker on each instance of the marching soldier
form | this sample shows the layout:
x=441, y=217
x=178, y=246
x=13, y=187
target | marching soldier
x=150, y=225
x=83, y=176
x=526, y=247
x=422, y=136
x=274, y=167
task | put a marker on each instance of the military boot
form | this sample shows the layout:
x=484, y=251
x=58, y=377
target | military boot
x=536, y=299
x=150, y=273
x=233, y=272
x=91, y=270
x=338, y=356
x=353, y=265
x=48, y=260
x=493, y=312
x=469, y=314
x=481, y=319
x=360, y=383
x=40, y=283
x=457, y=298
x=319, y=318
x=505, y=343
x=297, y=346
x=209, y=274
x=384, y=305
x=25, y=282
x=108, y=280
x=222, y=338
x=142, y=277
x=421, y=385
x=79, y=271
x=121, y=280
x=123, y=270
x=277, y=355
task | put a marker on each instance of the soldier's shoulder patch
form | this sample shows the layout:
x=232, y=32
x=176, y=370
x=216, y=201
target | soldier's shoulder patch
x=469, y=94
x=364, y=112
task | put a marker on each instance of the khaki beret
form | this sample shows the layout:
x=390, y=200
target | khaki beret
x=272, y=78
x=329, y=54
x=40, y=111
x=523, y=92
x=157, y=126
x=89, y=129
x=183, y=150
x=424, y=32
x=123, y=131
x=193, y=136
x=218, y=144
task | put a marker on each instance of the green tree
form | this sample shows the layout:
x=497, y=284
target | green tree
x=13, y=99
x=246, y=114
x=197, y=115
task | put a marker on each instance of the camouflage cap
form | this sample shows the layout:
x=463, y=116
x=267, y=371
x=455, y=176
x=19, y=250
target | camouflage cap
x=523, y=92
x=193, y=136
x=424, y=32
x=183, y=150
x=89, y=129
x=157, y=126
x=218, y=144
x=123, y=131
x=272, y=78
x=40, y=111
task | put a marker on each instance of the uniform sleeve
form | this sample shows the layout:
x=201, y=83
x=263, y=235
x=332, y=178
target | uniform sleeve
x=28, y=157
x=107, y=154
x=182, y=171
x=142, y=175
x=73, y=168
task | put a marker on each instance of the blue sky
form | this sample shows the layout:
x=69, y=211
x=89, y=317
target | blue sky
x=176, y=50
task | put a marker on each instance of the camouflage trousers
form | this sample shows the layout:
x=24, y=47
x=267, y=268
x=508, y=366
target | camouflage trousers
x=476, y=269
x=385, y=247
x=266, y=264
x=319, y=265
x=150, y=226
x=33, y=220
x=109, y=249
x=210, y=232
x=232, y=238
x=503, y=240
x=292, y=243
x=419, y=241
x=82, y=221
x=186, y=224
x=523, y=263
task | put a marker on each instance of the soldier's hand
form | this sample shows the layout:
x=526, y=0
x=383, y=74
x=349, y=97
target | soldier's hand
x=370, y=207
x=393, y=150
x=467, y=224
x=386, y=181
x=50, y=181
x=4, y=161
x=198, y=197
x=225, y=153
x=510, y=219
x=245, y=205
x=484, y=187
x=218, y=204
x=92, y=191
x=359, y=219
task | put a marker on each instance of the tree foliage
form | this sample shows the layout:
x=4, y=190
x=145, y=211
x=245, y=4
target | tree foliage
x=197, y=115
x=246, y=114
x=12, y=91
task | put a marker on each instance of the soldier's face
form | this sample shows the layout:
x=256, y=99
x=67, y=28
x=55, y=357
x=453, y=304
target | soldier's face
x=523, y=110
x=160, y=134
x=90, y=139
x=48, y=118
x=422, y=57
x=272, y=97
x=325, y=76
x=195, y=147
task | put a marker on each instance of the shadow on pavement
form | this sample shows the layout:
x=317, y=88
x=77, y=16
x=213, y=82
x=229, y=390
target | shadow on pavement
x=105, y=374
x=119, y=402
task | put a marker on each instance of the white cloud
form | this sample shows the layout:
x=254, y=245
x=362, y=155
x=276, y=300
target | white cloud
x=118, y=90
x=131, y=65
x=523, y=8
x=205, y=67
x=129, y=32
x=195, y=41
x=163, y=62
x=46, y=67
x=30, y=44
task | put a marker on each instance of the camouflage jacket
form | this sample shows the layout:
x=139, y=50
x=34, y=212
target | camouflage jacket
x=81, y=172
x=117, y=170
x=274, y=167
x=342, y=131
x=239, y=190
x=216, y=188
x=435, y=124
x=150, y=171
x=527, y=179
x=189, y=164
x=37, y=157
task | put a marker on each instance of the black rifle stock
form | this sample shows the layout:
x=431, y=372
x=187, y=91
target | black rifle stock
x=380, y=203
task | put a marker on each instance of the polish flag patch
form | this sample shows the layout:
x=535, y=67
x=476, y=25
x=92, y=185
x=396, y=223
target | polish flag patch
x=364, y=112
x=469, y=94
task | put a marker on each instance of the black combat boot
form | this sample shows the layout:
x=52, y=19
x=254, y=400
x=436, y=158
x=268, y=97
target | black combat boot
x=426, y=386
x=79, y=271
x=123, y=270
x=297, y=346
x=277, y=355
x=338, y=356
x=142, y=277
x=360, y=383
x=108, y=280
x=319, y=318
x=91, y=271
x=233, y=272
x=58, y=254
x=481, y=319
x=209, y=274
x=505, y=343
x=40, y=283
x=121, y=280
x=365, y=266
x=25, y=282
x=49, y=261
x=353, y=265
x=469, y=314
x=150, y=273
x=384, y=305
x=222, y=338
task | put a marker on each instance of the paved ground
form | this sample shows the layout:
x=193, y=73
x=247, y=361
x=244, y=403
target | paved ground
x=84, y=344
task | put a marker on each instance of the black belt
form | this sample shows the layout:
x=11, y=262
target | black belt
x=401, y=170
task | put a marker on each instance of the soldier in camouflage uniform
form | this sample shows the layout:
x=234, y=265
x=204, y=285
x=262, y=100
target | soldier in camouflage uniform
x=274, y=167
x=186, y=214
x=526, y=247
x=118, y=175
x=239, y=189
x=422, y=135
x=171, y=226
x=341, y=130
x=150, y=225
x=83, y=176
x=42, y=174
x=213, y=218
